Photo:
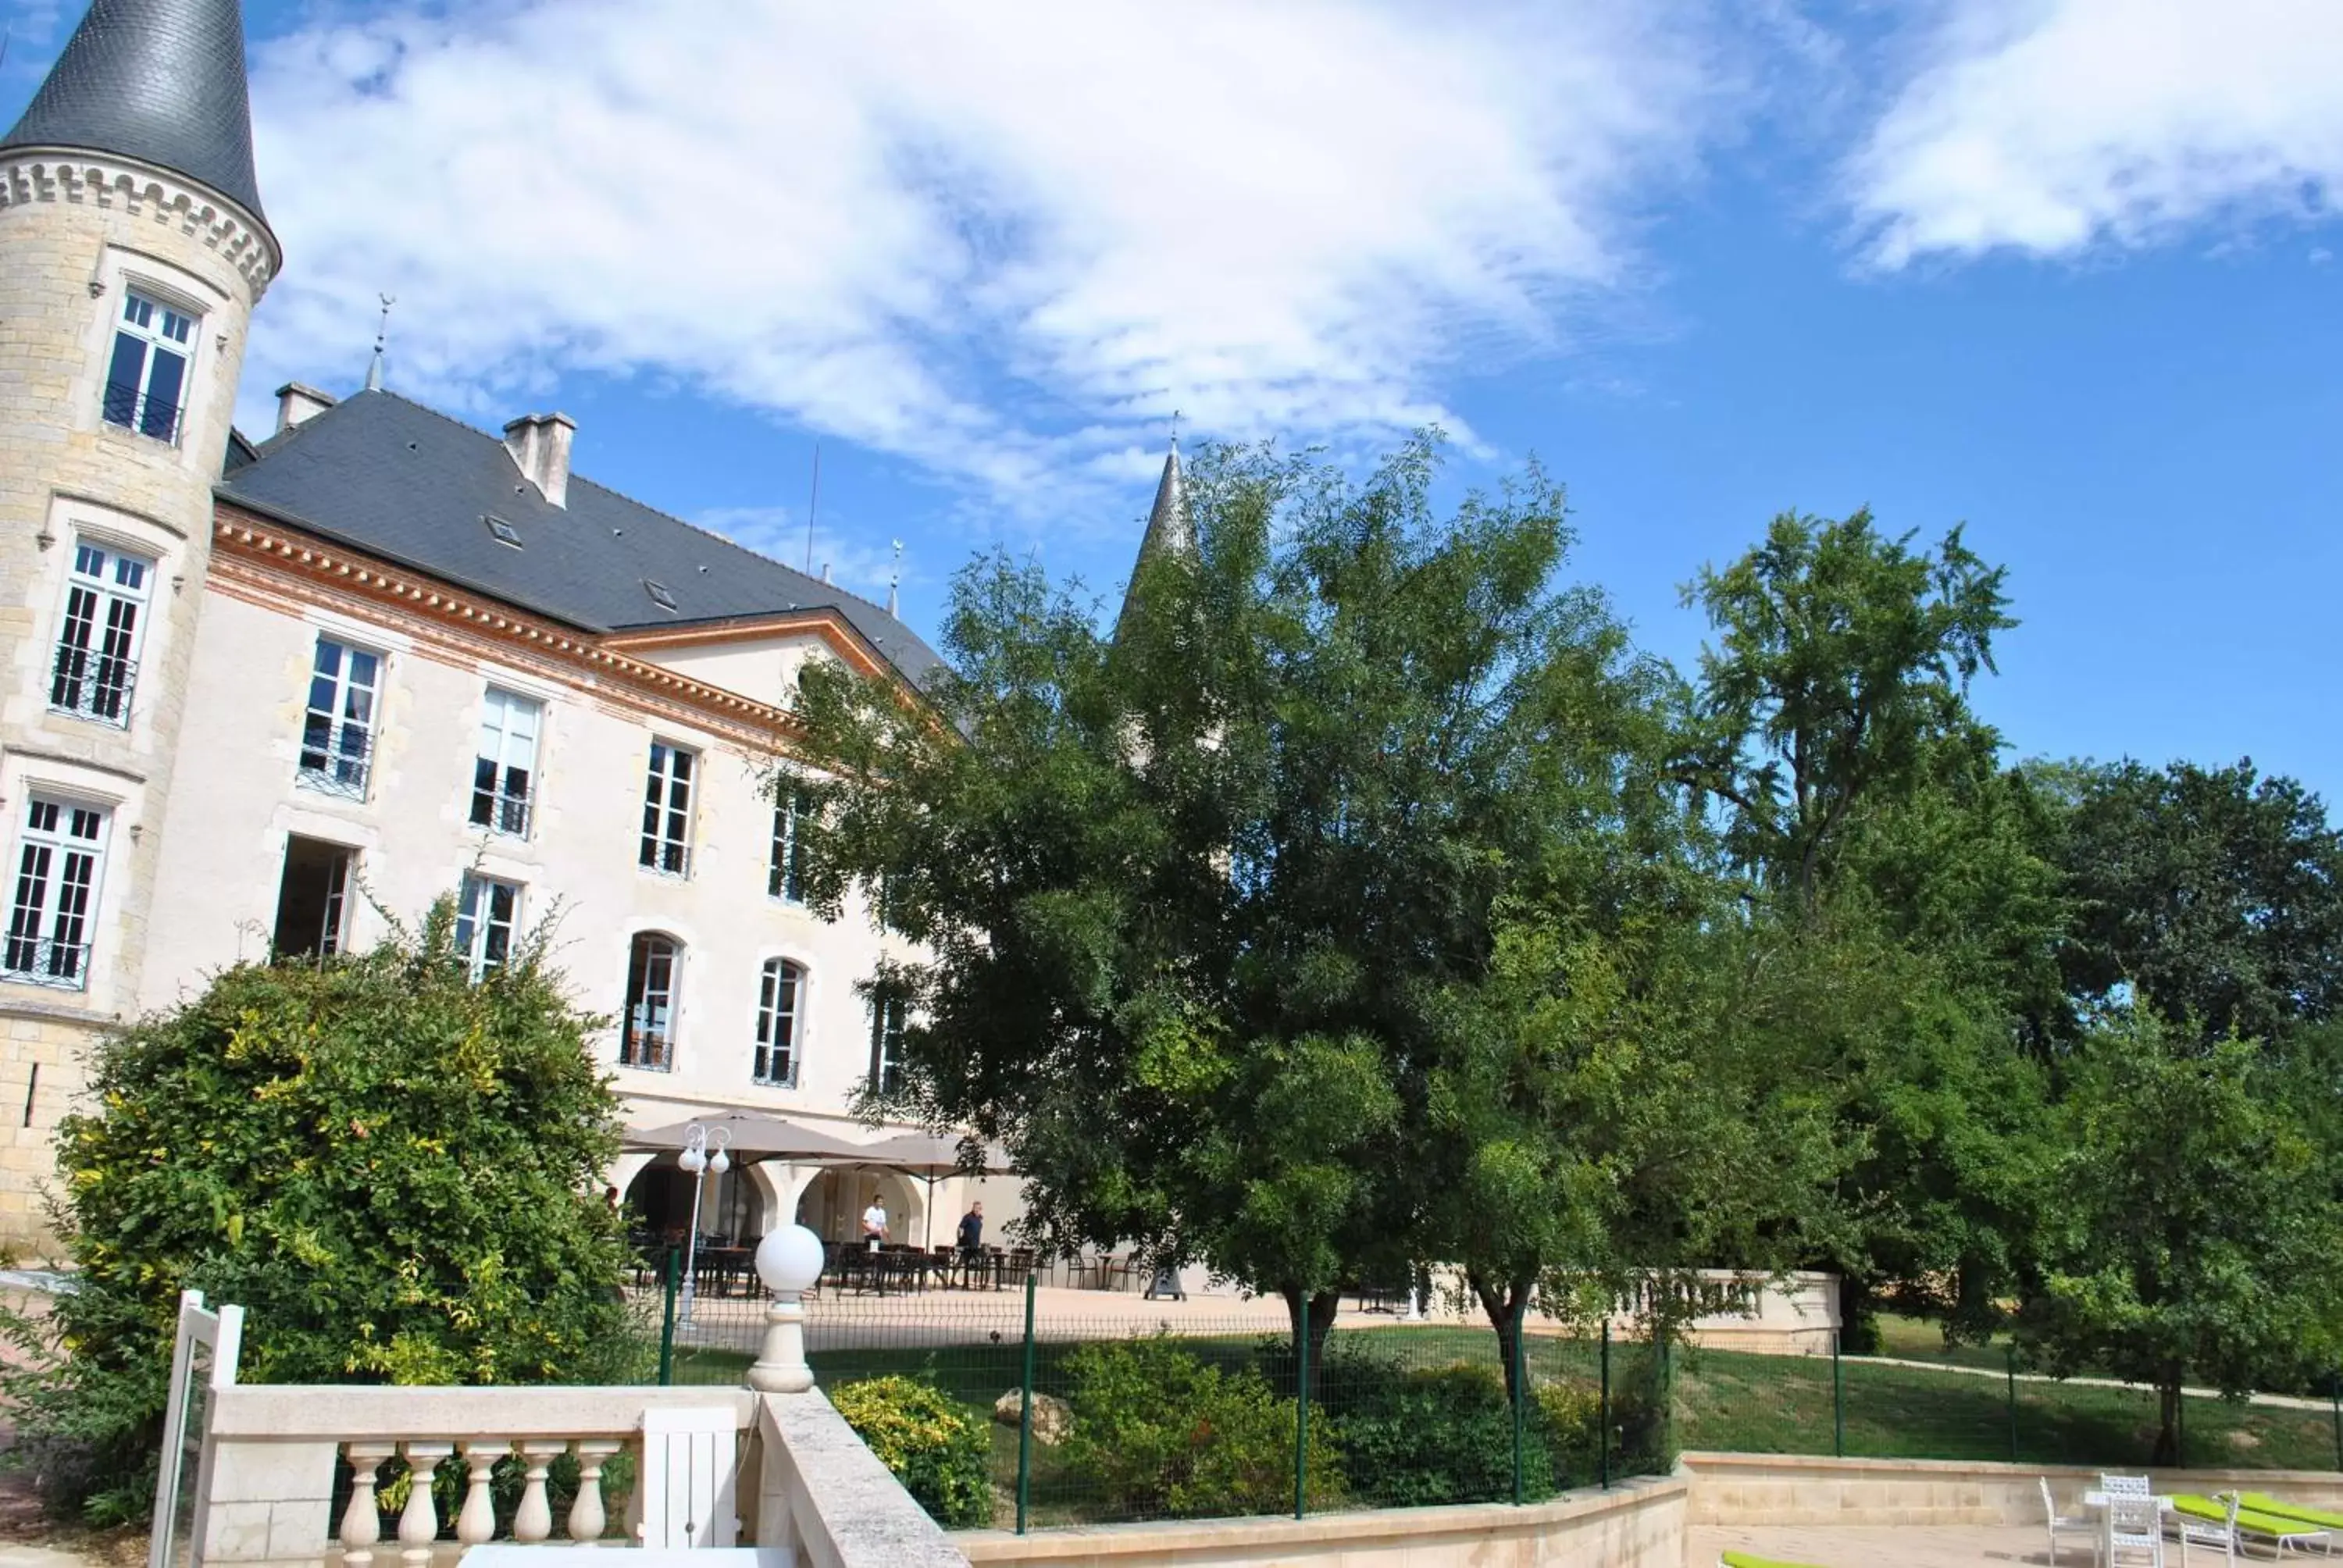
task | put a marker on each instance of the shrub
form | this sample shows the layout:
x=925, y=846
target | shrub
x=936, y=1447
x=1435, y=1434
x=1570, y=1415
x=395, y=1170
x=1160, y=1434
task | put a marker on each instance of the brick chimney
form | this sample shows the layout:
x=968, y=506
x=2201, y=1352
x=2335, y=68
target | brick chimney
x=298, y=404
x=540, y=444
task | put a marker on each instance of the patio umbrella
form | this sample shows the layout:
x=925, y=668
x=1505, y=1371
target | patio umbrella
x=751, y=1134
x=931, y=1158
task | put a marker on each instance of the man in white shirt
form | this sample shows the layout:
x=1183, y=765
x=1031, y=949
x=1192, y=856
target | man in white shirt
x=874, y=1224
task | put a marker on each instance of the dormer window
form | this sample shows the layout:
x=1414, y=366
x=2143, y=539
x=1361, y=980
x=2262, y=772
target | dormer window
x=503, y=531
x=661, y=594
x=146, y=381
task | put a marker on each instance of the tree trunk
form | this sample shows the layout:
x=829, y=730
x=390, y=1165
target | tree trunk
x=2167, y=1434
x=1507, y=1307
x=1321, y=1310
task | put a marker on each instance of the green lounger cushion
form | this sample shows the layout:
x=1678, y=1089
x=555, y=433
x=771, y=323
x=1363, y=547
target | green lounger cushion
x=2263, y=1503
x=2259, y=1523
x=1743, y=1560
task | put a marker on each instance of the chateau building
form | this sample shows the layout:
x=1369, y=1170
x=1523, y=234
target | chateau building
x=255, y=690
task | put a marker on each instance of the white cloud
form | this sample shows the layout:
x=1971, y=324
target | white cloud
x=2050, y=127
x=996, y=240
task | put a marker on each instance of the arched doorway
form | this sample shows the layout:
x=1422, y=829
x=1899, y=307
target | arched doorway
x=832, y=1204
x=658, y=1205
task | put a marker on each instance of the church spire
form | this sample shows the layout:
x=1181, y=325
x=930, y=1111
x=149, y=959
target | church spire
x=1169, y=531
x=161, y=81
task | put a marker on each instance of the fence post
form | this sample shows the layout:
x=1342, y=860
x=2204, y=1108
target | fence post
x=1301, y=1416
x=1603, y=1445
x=666, y=1320
x=1520, y=1397
x=2011, y=1349
x=1838, y=1400
x=1025, y=1417
x=1667, y=1403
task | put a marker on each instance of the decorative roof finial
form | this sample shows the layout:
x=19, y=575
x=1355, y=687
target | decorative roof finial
x=895, y=577
x=381, y=335
x=1175, y=430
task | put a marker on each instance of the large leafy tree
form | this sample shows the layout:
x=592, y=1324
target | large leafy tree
x=2190, y=1226
x=2214, y=894
x=1198, y=901
x=394, y=1169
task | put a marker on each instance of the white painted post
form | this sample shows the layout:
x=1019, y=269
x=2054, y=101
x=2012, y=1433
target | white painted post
x=418, y=1522
x=586, y=1518
x=533, y=1522
x=362, y=1520
x=478, y=1521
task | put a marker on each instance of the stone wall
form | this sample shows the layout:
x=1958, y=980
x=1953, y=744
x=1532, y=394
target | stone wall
x=1638, y=1524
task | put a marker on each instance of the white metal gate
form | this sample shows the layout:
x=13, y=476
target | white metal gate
x=203, y=1358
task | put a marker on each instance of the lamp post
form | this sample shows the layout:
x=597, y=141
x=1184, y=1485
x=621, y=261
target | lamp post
x=789, y=1262
x=696, y=1159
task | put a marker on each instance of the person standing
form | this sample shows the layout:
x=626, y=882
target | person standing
x=971, y=1240
x=874, y=1223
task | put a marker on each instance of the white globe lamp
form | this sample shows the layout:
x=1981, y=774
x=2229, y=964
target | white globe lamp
x=789, y=1262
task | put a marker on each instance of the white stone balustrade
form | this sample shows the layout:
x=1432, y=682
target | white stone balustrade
x=804, y=1481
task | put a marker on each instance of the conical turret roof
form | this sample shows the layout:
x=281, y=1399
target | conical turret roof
x=161, y=81
x=1170, y=532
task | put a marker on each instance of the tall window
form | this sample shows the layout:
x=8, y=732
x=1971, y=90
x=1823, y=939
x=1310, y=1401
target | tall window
x=338, y=733
x=97, y=646
x=778, y=991
x=648, y=1038
x=666, y=810
x=786, y=877
x=886, y=1044
x=58, y=859
x=146, y=381
x=485, y=914
x=507, y=765
x=313, y=897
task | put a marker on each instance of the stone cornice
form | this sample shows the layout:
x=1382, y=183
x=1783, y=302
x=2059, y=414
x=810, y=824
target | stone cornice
x=106, y=180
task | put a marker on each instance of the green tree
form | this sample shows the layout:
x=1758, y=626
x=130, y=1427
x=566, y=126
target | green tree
x=397, y=1172
x=2190, y=1227
x=2215, y=894
x=1193, y=896
x=1842, y=657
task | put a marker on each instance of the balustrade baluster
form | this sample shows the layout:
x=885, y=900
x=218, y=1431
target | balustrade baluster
x=419, y=1522
x=362, y=1520
x=586, y=1515
x=534, y=1520
x=478, y=1521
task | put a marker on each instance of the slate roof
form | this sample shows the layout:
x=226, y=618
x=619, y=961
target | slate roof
x=1169, y=530
x=400, y=481
x=161, y=81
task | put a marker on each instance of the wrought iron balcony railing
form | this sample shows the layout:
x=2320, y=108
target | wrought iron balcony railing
x=89, y=684
x=126, y=407
x=500, y=811
x=335, y=756
x=36, y=960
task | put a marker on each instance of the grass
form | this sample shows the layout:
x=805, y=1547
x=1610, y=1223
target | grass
x=1724, y=1400
x=1923, y=1340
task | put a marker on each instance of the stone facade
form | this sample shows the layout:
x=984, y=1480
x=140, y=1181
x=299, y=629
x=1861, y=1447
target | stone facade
x=78, y=232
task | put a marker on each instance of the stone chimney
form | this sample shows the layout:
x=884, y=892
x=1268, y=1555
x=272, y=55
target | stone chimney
x=298, y=405
x=539, y=443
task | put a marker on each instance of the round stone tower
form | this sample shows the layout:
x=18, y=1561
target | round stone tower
x=133, y=250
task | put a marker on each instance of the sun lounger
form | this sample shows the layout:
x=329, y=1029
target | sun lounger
x=1743, y=1560
x=2229, y=1525
x=2278, y=1508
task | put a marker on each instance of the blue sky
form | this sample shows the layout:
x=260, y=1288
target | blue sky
x=2065, y=270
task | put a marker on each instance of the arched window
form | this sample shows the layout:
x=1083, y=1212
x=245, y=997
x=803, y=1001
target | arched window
x=780, y=994
x=648, y=1039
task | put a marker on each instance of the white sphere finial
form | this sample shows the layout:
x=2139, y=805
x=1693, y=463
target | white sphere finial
x=790, y=1259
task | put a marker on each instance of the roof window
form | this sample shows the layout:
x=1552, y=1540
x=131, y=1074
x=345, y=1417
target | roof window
x=660, y=594
x=505, y=532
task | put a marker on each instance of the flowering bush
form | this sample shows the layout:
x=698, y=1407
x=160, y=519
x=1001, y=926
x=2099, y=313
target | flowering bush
x=935, y=1446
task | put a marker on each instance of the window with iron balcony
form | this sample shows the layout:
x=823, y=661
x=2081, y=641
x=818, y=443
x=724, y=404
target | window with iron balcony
x=97, y=663
x=780, y=993
x=60, y=855
x=337, y=732
x=646, y=1031
x=666, y=810
x=147, y=377
x=505, y=770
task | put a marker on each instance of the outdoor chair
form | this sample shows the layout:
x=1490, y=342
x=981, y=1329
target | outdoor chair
x=2066, y=1524
x=2207, y=1522
x=2125, y=1485
x=2132, y=1532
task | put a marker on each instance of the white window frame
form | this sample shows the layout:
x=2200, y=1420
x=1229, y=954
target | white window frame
x=780, y=1030
x=784, y=878
x=100, y=629
x=53, y=899
x=504, y=762
x=888, y=1014
x=483, y=936
x=160, y=330
x=342, y=719
x=639, y=1045
x=671, y=778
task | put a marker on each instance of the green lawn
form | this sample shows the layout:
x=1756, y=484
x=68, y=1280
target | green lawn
x=1723, y=1400
x=1923, y=1340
